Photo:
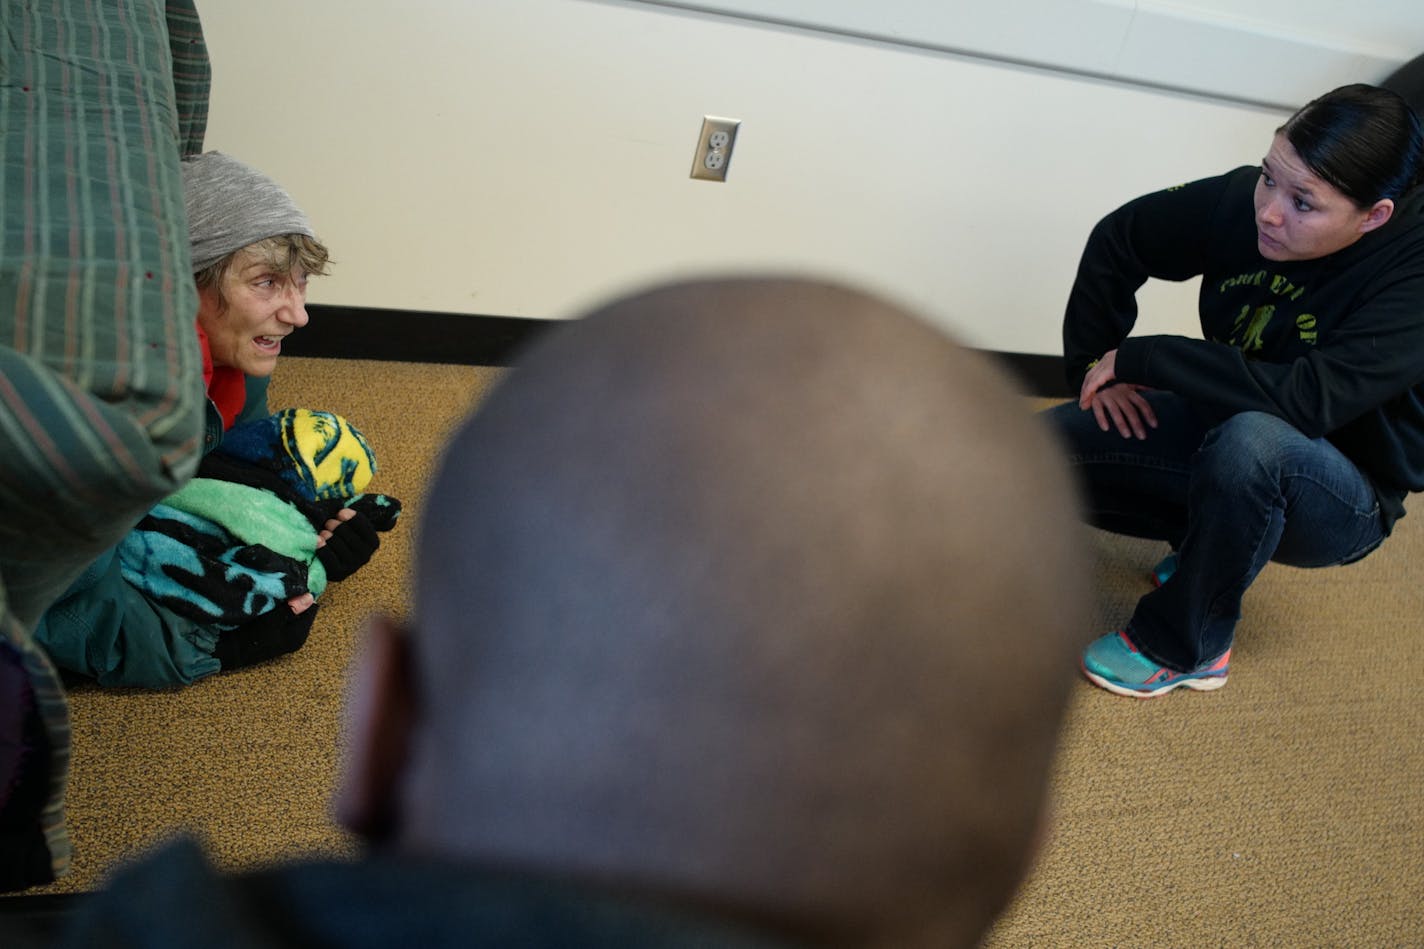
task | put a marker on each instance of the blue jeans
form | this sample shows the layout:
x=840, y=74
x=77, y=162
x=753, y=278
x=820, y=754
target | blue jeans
x=1228, y=496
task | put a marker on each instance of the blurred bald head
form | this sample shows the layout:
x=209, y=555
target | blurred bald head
x=722, y=597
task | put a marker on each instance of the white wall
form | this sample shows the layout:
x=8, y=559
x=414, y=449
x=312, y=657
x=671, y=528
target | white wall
x=531, y=157
x=1268, y=52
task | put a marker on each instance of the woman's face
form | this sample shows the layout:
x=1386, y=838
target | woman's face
x=263, y=307
x=1302, y=217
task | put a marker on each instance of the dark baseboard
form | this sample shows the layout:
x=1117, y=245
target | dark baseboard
x=352, y=332
x=1038, y=375
x=349, y=332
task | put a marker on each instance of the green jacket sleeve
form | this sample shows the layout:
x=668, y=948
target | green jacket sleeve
x=104, y=628
x=256, y=405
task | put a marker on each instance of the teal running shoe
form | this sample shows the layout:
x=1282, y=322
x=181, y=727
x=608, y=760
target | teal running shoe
x=1164, y=569
x=1114, y=663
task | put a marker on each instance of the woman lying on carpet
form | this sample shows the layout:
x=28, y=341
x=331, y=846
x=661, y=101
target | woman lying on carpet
x=252, y=252
x=1295, y=428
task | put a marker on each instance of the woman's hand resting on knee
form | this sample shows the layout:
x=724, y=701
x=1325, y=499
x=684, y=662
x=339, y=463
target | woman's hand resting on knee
x=1119, y=404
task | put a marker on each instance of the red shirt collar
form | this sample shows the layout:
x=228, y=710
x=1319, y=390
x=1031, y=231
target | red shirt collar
x=226, y=386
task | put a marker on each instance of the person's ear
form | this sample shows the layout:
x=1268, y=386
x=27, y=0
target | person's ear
x=1378, y=215
x=378, y=722
x=210, y=304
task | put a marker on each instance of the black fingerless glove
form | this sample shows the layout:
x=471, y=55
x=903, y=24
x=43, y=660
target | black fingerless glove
x=348, y=548
x=381, y=510
x=270, y=635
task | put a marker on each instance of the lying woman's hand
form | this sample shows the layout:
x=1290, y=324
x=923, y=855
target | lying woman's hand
x=345, y=543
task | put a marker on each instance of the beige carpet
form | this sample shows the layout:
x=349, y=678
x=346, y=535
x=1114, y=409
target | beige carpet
x=1284, y=810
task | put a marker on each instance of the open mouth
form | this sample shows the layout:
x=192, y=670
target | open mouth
x=269, y=344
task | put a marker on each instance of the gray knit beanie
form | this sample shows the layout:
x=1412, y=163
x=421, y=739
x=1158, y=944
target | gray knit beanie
x=230, y=205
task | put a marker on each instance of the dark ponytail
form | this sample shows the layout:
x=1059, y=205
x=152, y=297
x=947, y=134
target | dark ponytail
x=1364, y=140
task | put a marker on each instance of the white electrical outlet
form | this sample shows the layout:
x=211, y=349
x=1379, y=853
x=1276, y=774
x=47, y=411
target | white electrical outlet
x=714, y=148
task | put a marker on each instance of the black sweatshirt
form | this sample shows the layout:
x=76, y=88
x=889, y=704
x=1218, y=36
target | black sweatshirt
x=1334, y=346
